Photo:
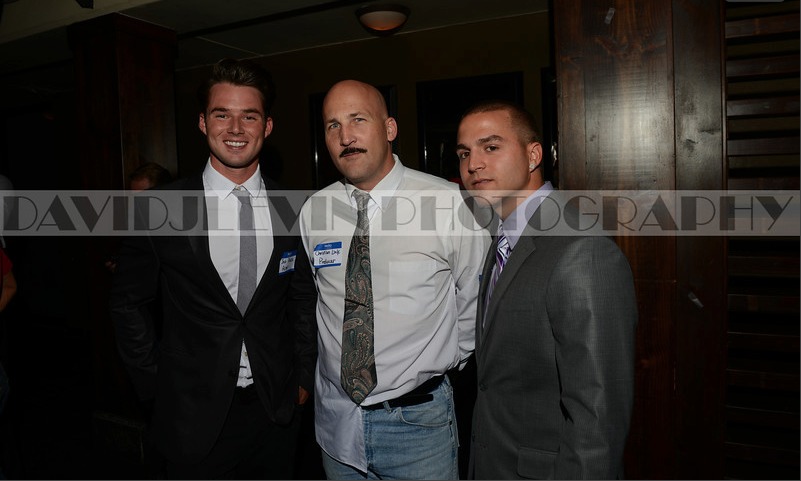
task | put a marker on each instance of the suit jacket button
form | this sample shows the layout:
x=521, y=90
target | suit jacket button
x=482, y=386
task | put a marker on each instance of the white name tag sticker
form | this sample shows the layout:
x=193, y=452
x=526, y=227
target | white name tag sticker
x=328, y=255
x=287, y=263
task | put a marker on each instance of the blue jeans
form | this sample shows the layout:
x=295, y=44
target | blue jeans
x=411, y=442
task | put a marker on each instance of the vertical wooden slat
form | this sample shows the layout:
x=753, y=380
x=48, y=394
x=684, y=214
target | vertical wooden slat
x=700, y=331
x=569, y=64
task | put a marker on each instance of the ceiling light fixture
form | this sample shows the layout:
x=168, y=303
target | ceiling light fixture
x=382, y=19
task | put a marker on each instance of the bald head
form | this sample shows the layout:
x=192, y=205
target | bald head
x=359, y=132
x=357, y=90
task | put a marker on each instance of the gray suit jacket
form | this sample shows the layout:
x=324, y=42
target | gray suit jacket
x=555, y=357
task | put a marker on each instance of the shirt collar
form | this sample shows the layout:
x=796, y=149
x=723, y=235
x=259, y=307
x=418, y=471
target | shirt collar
x=222, y=187
x=518, y=220
x=386, y=187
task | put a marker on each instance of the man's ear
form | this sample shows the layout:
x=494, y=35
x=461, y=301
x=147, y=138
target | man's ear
x=201, y=123
x=534, y=150
x=392, y=129
x=268, y=126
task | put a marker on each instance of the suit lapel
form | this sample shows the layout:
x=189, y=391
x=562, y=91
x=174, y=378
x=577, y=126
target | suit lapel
x=200, y=243
x=279, y=246
x=526, y=246
x=200, y=246
x=283, y=241
x=486, y=277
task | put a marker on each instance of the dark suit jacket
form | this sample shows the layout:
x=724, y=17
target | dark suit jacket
x=192, y=370
x=555, y=360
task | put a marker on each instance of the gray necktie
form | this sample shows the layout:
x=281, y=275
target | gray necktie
x=358, y=376
x=247, y=251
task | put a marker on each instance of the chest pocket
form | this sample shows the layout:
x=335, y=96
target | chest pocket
x=412, y=286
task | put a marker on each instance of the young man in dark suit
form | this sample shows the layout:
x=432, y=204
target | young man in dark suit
x=556, y=320
x=237, y=354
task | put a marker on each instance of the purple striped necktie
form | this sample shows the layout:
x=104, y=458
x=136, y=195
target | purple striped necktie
x=501, y=256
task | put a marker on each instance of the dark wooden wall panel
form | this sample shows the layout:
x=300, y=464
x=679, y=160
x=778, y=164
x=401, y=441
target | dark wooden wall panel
x=639, y=107
x=629, y=131
x=651, y=256
x=614, y=87
x=125, y=96
x=649, y=453
x=125, y=116
x=147, y=96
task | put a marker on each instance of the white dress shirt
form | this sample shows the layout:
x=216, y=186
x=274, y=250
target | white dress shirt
x=223, y=213
x=425, y=267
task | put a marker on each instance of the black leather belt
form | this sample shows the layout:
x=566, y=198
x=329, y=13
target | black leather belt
x=419, y=395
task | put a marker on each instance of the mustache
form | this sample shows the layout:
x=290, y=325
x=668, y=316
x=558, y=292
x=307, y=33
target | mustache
x=352, y=150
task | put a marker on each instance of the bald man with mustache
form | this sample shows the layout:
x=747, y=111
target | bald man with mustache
x=384, y=408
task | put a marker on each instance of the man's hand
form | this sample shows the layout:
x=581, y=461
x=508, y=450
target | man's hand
x=303, y=395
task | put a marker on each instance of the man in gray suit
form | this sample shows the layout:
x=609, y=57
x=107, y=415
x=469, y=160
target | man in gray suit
x=556, y=320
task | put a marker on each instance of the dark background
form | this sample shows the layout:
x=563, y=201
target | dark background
x=669, y=95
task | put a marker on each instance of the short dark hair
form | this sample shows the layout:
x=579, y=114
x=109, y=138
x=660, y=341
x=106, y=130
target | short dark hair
x=521, y=118
x=153, y=172
x=244, y=73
